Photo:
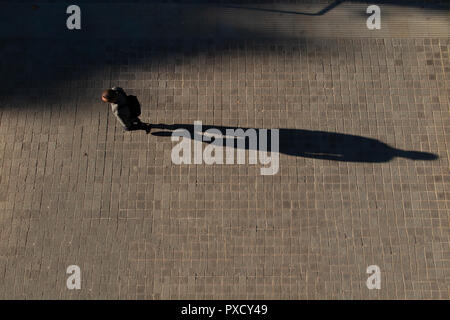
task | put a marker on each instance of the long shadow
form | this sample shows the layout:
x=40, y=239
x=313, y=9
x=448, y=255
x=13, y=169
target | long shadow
x=311, y=144
x=430, y=5
x=320, y=13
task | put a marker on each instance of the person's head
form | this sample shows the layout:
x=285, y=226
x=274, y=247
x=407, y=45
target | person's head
x=109, y=96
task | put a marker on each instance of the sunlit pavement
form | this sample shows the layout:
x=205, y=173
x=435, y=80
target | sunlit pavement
x=77, y=190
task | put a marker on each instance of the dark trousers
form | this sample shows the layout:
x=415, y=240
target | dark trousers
x=136, y=124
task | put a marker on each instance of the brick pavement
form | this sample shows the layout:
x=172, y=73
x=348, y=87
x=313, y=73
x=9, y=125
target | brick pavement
x=77, y=190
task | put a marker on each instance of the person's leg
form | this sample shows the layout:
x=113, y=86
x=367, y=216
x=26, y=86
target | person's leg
x=137, y=124
x=131, y=125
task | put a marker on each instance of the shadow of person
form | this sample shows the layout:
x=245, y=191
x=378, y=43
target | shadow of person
x=315, y=144
x=342, y=147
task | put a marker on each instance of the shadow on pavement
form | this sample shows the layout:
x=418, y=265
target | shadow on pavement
x=436, y=5
x=314, y=144
x=46, y=59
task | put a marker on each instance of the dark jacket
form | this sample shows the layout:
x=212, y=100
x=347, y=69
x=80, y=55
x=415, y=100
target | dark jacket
x=121, y=110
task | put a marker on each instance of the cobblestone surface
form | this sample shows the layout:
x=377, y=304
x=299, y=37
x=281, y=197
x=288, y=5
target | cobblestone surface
x=75, y=189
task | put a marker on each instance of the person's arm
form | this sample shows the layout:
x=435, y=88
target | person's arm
x=122, y=118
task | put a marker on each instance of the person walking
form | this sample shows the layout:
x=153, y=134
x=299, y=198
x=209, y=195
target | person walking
x=126, y=109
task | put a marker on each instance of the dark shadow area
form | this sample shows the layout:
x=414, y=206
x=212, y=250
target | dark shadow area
x=319, y=13
x=436, y=5
x=314, y=144
x=38, y=54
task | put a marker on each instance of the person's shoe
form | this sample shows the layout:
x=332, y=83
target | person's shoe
x=148, y=128
x=126, y=129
